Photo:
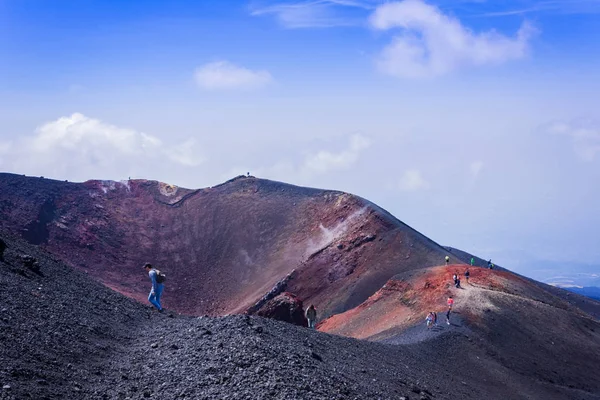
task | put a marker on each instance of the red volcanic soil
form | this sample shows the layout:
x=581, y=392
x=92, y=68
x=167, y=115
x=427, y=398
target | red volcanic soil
x=222, y=248
x=406, y=299
x=521, y=325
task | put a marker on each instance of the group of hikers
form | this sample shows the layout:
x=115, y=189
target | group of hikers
x=490, y=264
x=157, y=279
x=431, y=319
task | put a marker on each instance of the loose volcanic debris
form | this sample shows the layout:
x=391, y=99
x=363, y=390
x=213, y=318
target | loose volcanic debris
x=65, y=336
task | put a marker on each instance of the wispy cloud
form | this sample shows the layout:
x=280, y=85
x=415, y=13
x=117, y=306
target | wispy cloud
x=584, y=135
x=431, y=43
x=316, y=13
x=551, y=6
x=325, y=161
x=225, y=75
x=79, y=148
x=313, y=164
x=412, y=180
x=475, y=168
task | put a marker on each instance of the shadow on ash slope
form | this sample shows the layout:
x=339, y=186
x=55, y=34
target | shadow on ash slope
x=65, y=336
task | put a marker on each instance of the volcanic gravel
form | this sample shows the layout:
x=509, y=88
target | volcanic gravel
x=64, y=336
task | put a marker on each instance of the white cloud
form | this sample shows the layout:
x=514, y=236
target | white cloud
x=475, y=168
x=584, y=134
x=325, y=161
x=412, y=180
x=305, y=170
x=80, y=148
x=315, y=13
x=225, y=75
x=432, y=44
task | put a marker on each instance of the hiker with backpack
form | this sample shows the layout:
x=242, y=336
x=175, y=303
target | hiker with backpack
x=447, y=260
x=157, y=278
x=311, y=316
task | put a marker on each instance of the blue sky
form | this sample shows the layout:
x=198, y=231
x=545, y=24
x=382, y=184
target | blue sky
x=476, y=122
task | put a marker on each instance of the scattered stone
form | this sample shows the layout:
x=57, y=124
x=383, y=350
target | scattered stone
x=154, y=345
x=30, y=262
x=6, y=387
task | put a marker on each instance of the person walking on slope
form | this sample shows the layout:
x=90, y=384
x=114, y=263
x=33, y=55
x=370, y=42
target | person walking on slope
x=158, y=286
x=450, y=303
x=447, y=260
x=311, y=316
x=467, y=274
x=472, y=261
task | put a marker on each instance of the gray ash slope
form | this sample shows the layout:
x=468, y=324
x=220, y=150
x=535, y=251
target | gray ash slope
x=64, y=336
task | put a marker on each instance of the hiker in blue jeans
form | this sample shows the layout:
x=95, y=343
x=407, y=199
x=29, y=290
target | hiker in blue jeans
x=157, y=288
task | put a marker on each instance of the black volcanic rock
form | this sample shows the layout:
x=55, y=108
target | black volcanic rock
x=2, y=249
x=284, y=307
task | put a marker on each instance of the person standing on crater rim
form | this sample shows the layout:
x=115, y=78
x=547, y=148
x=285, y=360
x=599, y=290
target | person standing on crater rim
x=157, y=280
x=467, y=275
x=447, y=260
x=311, y=316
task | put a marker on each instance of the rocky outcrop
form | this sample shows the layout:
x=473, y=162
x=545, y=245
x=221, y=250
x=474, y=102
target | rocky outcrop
x=284, y=307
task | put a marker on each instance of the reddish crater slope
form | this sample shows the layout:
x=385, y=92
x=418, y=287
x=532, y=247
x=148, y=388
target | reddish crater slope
x=520, y=326
x=222, y=248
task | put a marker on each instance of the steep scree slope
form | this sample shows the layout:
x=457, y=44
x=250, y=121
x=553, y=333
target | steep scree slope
x=222, y=248
x=65, y=336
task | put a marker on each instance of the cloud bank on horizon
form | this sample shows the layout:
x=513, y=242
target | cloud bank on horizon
x=474, y=122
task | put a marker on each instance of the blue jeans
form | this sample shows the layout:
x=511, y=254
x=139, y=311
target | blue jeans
x=311, y=323
x=154, y=297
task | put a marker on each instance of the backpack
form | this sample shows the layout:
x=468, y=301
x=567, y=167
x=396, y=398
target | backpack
x=160, y=277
